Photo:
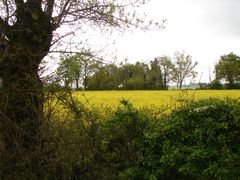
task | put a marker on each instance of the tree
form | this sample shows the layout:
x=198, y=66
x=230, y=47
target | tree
x=228, y=69
x=99, y=80
x=134, y=76
x=69, y=70
x=142, y=70
x=167, y=70
x=89, y=65
x=28, y=28
x=155, y=75
x=75, y=68
x=106, y=77
x=166, y=66
x=183, y=68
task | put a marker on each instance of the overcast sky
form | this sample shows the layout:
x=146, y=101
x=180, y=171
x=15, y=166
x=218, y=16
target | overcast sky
x=204, y=29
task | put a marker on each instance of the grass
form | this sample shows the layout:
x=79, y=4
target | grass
x=150, y=98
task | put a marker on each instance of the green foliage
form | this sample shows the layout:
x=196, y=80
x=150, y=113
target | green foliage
x=166, y=67
x=54, y=88
x=228, y=69
x=134, y=76
x=99, y=76
x=105, y=78
x=216, y=84
x=76, y=68
x=139, y=76
x=126, y=146
x=69, y=70
x=155, y=79
x=201, y=140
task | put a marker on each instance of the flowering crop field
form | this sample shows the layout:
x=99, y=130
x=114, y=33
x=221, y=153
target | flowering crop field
x=150, y=98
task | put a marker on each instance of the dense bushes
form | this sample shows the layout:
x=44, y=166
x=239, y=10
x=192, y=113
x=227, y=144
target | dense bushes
x=127, y=143
x=199, y=140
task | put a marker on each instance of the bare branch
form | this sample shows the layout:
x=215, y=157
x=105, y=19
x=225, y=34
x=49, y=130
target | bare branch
x=98, y=12
x=64, y=11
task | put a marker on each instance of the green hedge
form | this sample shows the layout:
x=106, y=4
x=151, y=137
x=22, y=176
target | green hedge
x=200, y=140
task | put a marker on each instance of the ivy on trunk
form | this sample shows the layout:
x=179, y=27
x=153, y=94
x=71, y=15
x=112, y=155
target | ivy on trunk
x=27, y=41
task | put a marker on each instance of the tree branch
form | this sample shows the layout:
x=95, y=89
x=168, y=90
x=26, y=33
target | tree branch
x=49, y=9
x=64, y=11
x=4, y=26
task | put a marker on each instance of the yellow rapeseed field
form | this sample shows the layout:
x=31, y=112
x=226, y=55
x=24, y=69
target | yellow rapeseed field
x=150, y=98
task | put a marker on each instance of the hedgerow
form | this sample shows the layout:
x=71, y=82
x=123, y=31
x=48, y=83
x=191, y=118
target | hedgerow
x=199, y=140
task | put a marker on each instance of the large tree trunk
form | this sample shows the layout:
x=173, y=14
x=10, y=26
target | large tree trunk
x=22, y=99
x=85, y=82
x=21, y=105
x=77, y=83
x=180, y=84
x=21, y=111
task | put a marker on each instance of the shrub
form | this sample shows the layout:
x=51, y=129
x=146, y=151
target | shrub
x=201, y=140
x=128, y=147
x=215, y=84
x=73, y=140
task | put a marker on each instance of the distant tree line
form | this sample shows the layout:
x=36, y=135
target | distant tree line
x=227, y=73
x=82, y=71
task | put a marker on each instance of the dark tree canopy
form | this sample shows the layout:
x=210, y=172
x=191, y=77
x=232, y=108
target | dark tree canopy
x=228, y=69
